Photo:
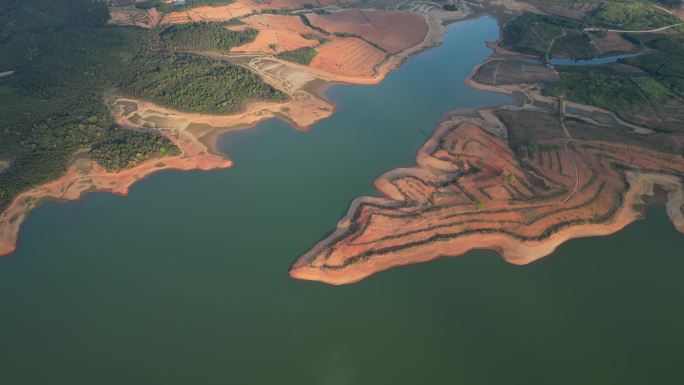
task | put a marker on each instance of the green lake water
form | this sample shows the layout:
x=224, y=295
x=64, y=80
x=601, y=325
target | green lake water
x=185, y=280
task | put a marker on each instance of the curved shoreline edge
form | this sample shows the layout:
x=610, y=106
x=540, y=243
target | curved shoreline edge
x=197, y=148
x=510, y=249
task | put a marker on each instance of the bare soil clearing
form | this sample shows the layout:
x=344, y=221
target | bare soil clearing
x=348, y=56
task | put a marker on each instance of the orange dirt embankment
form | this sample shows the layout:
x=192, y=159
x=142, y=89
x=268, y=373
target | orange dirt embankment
x=469, y=191
x=391, y=30
x=85, y=175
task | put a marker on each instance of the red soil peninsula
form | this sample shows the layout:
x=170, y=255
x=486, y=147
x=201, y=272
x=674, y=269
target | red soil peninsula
x=471, y=191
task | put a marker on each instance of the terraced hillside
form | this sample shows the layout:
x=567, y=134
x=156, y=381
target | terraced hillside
x=471, y=189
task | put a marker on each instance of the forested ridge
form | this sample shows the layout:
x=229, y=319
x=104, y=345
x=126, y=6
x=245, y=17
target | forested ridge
x=66, y=60
x=204, y=37
x=194, y=83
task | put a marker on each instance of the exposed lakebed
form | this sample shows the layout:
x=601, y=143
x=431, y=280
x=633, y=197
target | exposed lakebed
x=185, y=280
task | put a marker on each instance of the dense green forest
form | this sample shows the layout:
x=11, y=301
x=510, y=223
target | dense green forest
x=302, y=55
x=531, y=33
x=574, y=45
x=606, y=87
x=66, y=59
x=666, y=68
x=194, y=83
x=205, y=37
x=123, y=147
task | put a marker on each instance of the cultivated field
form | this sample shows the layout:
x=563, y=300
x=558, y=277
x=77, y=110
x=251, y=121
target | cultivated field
x=390, y=30
x=238, y=8
x=348, y=56
x=284, y=32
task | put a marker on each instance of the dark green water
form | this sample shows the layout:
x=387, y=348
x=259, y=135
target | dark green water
x=185, y=281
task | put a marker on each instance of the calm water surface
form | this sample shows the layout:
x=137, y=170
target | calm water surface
x=185, y=281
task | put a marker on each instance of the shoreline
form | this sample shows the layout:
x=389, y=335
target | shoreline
x=198, y=149
x=85, y=176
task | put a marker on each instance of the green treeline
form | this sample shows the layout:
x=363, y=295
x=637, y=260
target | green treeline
x=204, y=37
x=164, y=6
x=194, y=83
x=302, y=55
